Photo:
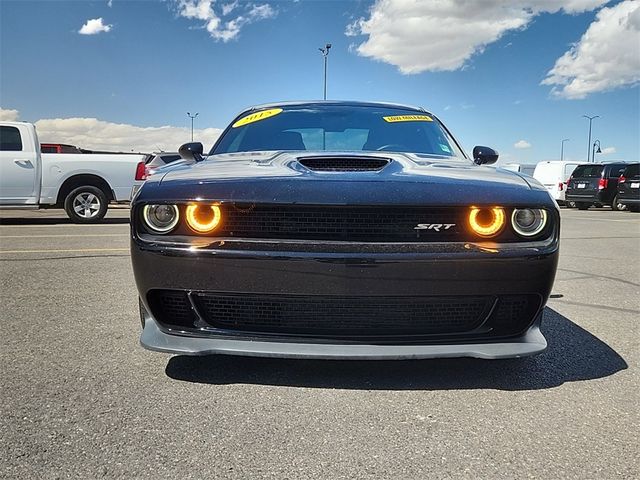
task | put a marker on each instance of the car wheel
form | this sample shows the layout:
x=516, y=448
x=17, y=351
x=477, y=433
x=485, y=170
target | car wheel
x=616, y=205
x=582, y=205
x=571, y=204
x=87, y=204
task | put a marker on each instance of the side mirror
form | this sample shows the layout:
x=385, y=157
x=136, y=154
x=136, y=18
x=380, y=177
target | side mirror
x=484, y=155
x=192, y=151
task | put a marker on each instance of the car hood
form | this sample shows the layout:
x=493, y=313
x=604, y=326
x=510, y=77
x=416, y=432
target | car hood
x=280, y=177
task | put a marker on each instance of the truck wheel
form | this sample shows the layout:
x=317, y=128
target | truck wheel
x=582, y=205
x=87, y=204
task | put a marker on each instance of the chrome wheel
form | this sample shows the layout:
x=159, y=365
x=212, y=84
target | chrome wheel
x=86, y=205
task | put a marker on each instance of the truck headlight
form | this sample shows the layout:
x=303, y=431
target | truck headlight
x=160, y=218
x=528, y=222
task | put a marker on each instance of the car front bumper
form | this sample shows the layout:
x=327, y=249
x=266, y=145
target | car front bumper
x=339, y=270
x=156, y=339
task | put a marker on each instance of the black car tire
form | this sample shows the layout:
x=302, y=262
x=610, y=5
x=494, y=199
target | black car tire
x=582, y=205
x=633, y=208
x=86, y=204
x=616, y=205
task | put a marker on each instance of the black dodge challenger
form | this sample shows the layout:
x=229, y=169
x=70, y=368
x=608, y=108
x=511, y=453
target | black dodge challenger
x=342, y=230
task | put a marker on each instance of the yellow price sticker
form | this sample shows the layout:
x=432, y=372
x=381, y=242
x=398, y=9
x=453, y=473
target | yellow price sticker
x=408, y=118
x=256, y=117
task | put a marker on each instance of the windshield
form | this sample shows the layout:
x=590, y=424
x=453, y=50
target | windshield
x=338, y=128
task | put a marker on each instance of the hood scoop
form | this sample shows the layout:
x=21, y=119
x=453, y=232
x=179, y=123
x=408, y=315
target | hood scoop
x=344, y=163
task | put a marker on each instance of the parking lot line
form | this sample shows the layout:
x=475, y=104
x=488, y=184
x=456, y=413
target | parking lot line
x=591, y=219
x=74, y=250
x=67, y=235
x=67, y=225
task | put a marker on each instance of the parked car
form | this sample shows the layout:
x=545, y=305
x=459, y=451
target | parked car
x=342, y=230
x=82, y=184
x=151, y=164
x=629, y=188
x=594, y=184
x=554, y=175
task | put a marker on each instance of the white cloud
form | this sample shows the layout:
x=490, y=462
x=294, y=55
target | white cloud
x=606, y=57
x=521, y=144
x=608, y=150
x=109, y=3
x=7, y=115
x=95, y=134
x=223, y=29
x=229, y=7
x=442, y=35
x=94, y=26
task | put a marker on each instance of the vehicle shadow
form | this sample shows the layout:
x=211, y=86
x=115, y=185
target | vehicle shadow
x=573, y=355
x=58, y=221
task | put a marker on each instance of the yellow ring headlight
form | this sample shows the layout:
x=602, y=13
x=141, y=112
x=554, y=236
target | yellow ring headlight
x=203, y=218
x=486, y=222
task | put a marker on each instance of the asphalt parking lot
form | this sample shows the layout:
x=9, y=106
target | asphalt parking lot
x=81, y=399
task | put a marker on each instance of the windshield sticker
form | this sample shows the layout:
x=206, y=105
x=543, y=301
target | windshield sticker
x=256, y=117
x=408, y=118
x=444, y=148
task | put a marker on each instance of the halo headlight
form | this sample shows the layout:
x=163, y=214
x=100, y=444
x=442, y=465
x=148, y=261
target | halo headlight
x=487, y=222
x=160, y=218
x=203, y=218
x=528, y=222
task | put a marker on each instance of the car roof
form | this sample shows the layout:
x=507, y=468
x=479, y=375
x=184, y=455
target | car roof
x=346, y=103
x=602, y=164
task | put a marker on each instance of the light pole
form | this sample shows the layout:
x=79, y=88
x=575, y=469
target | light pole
x=562, y=148
x=589, y=144
x=196, y=114
x=594, y=151
x=325, y=55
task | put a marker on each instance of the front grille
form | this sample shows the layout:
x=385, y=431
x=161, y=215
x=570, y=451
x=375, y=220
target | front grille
x=343, y=316
x=344, y=223
x=344, y=164
x=172, y=307
x=512, y=311
x=321, y=316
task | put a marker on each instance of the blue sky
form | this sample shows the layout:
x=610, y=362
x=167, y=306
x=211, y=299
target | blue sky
x=155, y=64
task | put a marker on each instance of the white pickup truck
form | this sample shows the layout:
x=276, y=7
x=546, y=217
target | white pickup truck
x=84, y=184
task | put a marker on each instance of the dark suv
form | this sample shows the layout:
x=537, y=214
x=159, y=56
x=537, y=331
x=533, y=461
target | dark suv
x=594, y=184
x=629, y=188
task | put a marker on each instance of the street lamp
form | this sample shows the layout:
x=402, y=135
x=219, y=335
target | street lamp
x=325, y=54
x=589, y=144
x=594, y=151
x=562, y=148
x=194, y=116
